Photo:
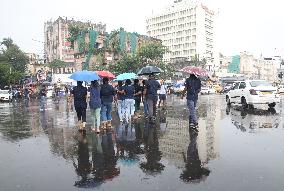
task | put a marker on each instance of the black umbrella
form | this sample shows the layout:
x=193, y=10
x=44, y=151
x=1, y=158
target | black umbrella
x=147, y=70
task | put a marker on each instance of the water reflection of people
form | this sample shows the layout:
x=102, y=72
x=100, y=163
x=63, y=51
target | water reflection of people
x=194, y=171
x=153, y=154
x=83, y=167
x=110, y=160
x=128, y=143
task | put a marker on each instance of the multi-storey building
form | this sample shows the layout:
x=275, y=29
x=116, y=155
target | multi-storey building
x=187, y=29
x=56, y=45
x=252, y=67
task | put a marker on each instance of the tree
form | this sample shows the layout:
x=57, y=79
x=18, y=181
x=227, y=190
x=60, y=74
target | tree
x=13, y=62
x=128, y=63
x=152, y=53
x=55, y=64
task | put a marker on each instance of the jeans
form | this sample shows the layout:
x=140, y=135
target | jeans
x=129, y=108
x=152, y=106
x=121, y=109
x=42, y=102
x=191, y=104
x=146, y=108
x=96, y=116
x=137, y=104
x=106, y=111
x=81, y=113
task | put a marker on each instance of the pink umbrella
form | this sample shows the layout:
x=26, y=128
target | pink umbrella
x=194, y=70
x=106, y=74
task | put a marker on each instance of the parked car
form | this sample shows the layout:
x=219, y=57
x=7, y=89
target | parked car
x=207, y=90
x=178, y=88
x=50, y=92
x=218, y=88
x=253, y=92
x=281, y=89
x=5, y=95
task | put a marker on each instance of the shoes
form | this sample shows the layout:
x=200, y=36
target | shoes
x=109, y=123
x=96, y=130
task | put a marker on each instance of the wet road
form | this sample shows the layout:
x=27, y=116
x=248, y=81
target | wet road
x=233, y=150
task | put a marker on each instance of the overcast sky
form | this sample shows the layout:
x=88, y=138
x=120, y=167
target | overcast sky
x=254, y=26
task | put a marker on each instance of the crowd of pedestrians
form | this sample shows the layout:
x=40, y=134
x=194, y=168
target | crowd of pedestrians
x=126, y=96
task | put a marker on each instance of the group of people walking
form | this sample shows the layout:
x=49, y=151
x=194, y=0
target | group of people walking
x=128, y=98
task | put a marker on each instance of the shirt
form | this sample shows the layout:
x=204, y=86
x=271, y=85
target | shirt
x=138, y=88
x=120, y=96
x=95, y=97
x=163, y=89
x=193, y=87
x=80, y=94
x=107, y=93
x=152, y=87
x=42, y=92
x=129, y=91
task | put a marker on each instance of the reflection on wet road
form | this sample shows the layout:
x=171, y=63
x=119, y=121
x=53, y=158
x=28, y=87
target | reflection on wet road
x=232, y=149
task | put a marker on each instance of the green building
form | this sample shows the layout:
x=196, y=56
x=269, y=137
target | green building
x=234, y=66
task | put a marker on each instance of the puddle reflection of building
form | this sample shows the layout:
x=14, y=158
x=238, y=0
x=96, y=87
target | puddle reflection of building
x=176, y=139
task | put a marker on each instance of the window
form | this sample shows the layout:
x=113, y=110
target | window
x=242, y=85
x=236, y=86
x=259, y=83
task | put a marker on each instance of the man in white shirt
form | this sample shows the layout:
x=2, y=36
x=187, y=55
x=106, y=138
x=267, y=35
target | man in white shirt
x=162, y=94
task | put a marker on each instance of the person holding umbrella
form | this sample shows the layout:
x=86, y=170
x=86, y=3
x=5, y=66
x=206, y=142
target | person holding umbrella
x=107, y=94
x=120, y=101
x=129, y=100
x=192, y=88
x=95, y=105
x=151, y=95
x=80, y=94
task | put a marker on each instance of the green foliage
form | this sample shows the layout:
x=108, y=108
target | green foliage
x=13, y=62
x=74, y=30
x=128, y=63
x=152, y=52
x=149, y=54
x=57, y=64
x=113, y=42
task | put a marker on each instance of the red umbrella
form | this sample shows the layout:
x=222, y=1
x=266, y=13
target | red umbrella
x=195, y=70
x=105, y=74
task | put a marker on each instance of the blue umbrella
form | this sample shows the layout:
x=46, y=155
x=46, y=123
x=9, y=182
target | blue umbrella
x=84, y=76
x=125, y=76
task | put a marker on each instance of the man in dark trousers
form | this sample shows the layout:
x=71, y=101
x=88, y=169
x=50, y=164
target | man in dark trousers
x=192, y=88
x=152, y=86
x=80, y=94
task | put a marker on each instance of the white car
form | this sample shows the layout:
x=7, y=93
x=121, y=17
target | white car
x=252, y=120
x=207, y=90
x=178, y=88
x=253, y=92
x=50, y=92
x=5, y=95
x=281, y=88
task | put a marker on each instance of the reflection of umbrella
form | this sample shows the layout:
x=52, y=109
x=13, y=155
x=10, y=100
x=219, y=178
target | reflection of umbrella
x=194, y=70
x=125, y=76
x=105, y=74
x=149, y=70
x=84, y=76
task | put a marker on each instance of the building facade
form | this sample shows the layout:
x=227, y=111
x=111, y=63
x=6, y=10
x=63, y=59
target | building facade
x=93, y=48
x=251, y=67
x=187, y=29
x=56, y=45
